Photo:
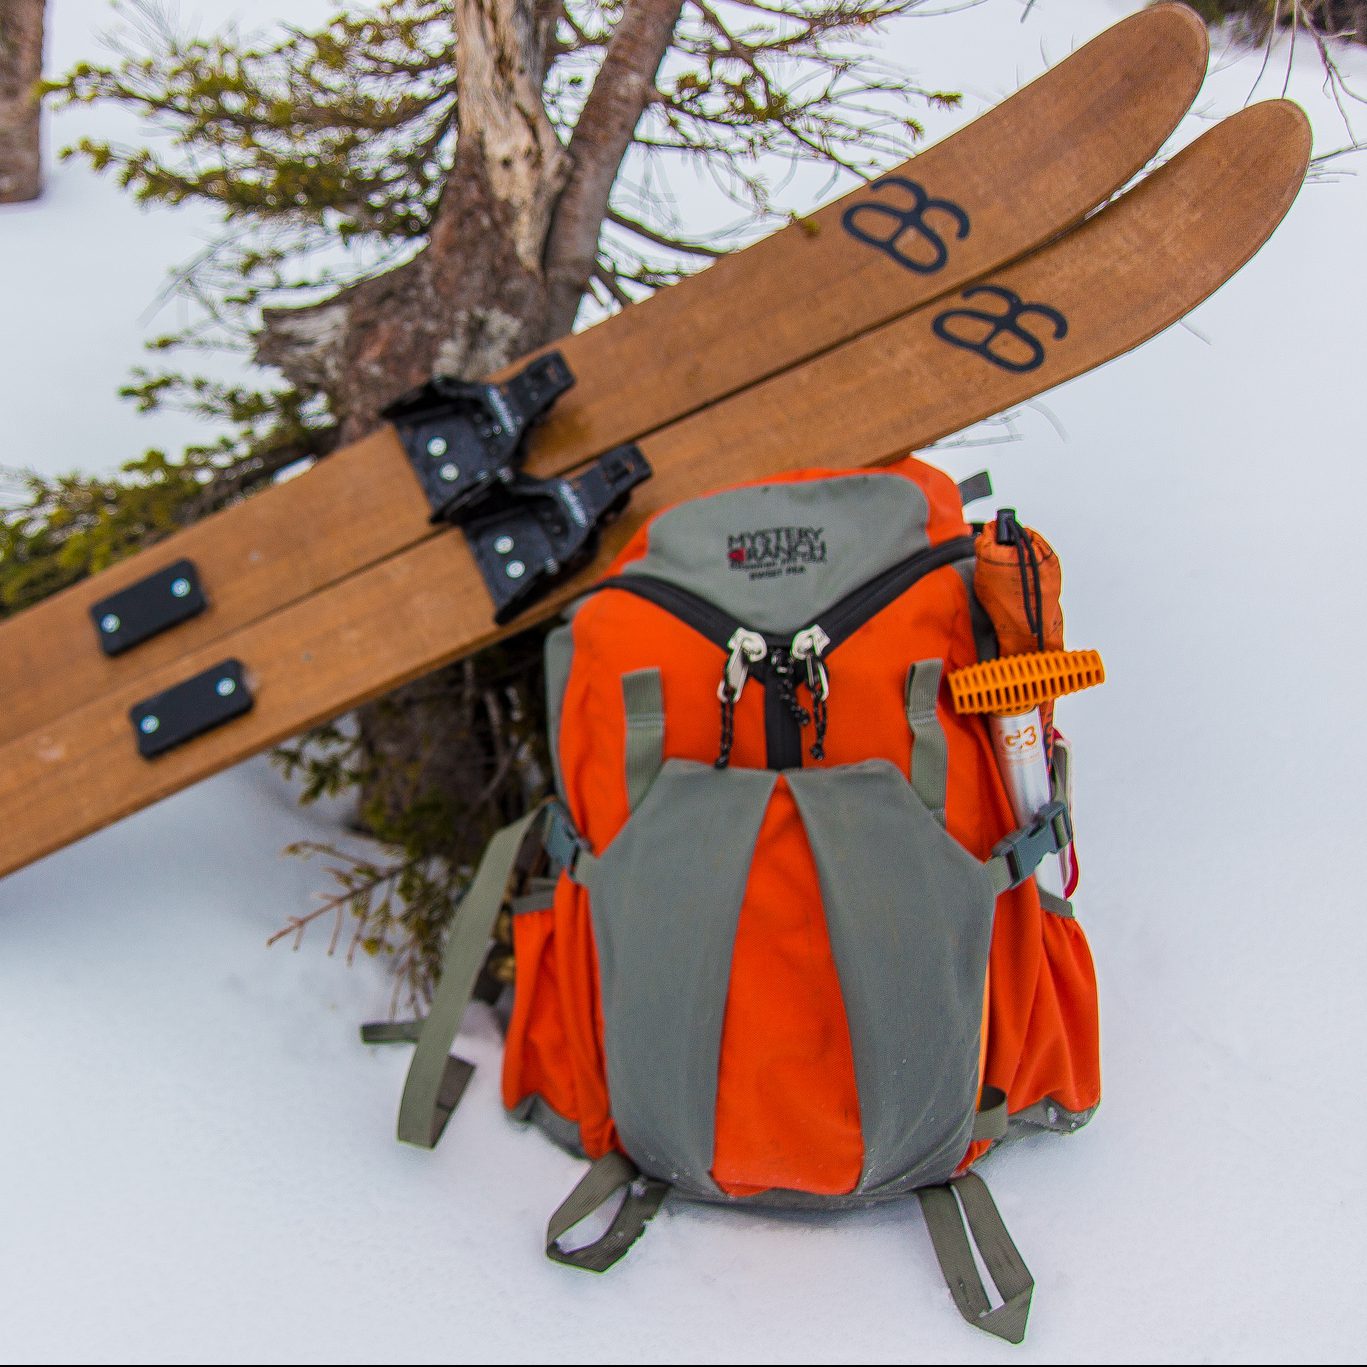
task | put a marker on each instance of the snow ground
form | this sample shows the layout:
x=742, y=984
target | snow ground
x=197, y=1153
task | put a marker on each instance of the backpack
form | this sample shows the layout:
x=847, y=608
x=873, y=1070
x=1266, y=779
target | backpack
x=777, y=942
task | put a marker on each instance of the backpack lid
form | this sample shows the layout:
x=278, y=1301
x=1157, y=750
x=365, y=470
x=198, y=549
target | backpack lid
x=777, y=553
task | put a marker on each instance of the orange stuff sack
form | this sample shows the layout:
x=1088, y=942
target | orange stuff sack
x=1019, y=584
x=793, y=953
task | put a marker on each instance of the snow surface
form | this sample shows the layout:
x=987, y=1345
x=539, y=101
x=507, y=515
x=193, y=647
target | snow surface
x=196, y=1154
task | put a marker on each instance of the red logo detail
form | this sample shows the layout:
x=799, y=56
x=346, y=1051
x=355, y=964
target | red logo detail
x=736, y=556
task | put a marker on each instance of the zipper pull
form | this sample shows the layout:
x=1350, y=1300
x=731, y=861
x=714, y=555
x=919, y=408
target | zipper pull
x=808, y=647
x=747, y=648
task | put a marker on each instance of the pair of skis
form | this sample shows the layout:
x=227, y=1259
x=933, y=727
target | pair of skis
x=963, y=283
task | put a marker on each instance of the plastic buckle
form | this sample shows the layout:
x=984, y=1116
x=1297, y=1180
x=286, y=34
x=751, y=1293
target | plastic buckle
x=562, y=843
x=1049, y=833
x=537, y=529
x=465, y=441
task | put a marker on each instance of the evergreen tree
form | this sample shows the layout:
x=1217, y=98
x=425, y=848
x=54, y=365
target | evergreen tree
x=430, y=186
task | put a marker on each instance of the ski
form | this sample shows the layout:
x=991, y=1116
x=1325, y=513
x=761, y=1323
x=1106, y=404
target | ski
x=1080, y=300
x=1016, y=177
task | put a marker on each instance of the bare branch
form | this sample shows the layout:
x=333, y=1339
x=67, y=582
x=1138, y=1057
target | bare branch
x=674, y=244
x=610, y=285
x=621, y=92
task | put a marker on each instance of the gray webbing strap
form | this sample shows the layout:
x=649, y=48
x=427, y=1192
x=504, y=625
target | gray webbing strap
x=1056, y=906
x=643, y=696
x=990, y=1121
x=929, y=749
x=435, y=1079
x=1004, y=1264
x=538, y=896
x=608, y=1175
x=975, y=487
x=391, y=1032
x=1061, y=771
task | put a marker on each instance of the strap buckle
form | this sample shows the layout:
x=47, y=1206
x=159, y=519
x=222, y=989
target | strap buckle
x=562, y=843
x=1049, y=833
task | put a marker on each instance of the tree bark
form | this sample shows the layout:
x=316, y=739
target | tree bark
x=510, y=254
x=21, y=67
x=475, y=296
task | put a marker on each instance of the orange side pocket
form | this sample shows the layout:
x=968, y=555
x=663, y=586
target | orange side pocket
x=534, y=1057
x=1061, y=1057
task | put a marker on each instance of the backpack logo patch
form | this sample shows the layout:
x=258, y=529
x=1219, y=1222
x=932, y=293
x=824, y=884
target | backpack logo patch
x=773, y=551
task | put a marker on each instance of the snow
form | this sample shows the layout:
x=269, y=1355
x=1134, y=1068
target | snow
x=197, y=1153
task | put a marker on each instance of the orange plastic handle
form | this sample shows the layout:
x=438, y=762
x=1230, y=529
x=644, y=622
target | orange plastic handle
x=1017, y=683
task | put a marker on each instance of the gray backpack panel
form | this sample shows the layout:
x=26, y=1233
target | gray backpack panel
x=909, y=912
x=777, y=555
x=666, y=897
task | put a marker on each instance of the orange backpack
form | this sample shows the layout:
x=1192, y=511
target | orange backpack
x=790, y=951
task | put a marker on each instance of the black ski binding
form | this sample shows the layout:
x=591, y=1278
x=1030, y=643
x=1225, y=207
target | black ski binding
x=538, y=529
x=464, y=440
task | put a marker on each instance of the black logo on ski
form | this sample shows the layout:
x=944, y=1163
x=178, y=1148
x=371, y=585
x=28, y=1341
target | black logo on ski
x=1004, y=324
x=897, y=230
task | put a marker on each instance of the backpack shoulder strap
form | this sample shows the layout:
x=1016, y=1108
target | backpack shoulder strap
x=436, y=1079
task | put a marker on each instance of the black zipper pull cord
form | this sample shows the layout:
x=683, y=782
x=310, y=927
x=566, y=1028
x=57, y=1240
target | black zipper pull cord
x=818, y=750
x=747, y=648
x=728, y=730
x=808, y=646
x=782, y=665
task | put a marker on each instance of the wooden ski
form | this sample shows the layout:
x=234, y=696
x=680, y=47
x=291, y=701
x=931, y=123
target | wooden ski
x=1018, y=176
x=1090, y=295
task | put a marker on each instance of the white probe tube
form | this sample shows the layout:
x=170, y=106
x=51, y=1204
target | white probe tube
x=1019, y=743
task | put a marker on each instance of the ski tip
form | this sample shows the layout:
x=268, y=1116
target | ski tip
x=1177, y=25
x=1295, y=124
x=1281, y=132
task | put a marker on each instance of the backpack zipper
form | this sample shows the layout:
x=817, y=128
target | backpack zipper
x=782, y=656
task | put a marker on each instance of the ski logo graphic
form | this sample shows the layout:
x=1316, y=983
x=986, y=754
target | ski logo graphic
x=901, y=230
x=957, y=327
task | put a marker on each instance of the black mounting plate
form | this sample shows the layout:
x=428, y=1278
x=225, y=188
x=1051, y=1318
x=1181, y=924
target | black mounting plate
x=149, y=607
x=187, y=710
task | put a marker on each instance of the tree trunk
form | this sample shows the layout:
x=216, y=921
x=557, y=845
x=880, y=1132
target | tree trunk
x=494, y=280
x=473, y=299
x=21, y=67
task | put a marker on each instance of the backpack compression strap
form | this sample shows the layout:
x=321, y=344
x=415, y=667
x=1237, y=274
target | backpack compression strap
x=1018, y=855
x=437, y=1079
